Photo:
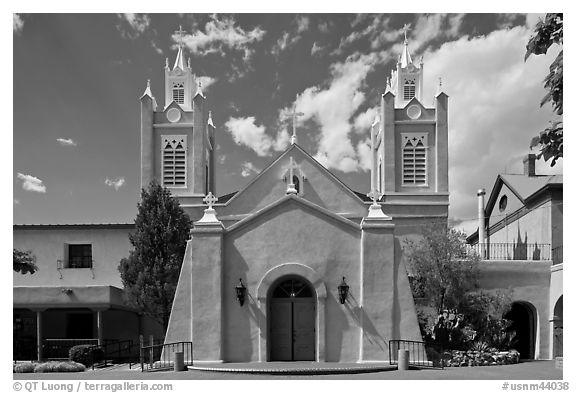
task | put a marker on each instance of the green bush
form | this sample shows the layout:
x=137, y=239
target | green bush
x=59, y=367
x=86, y=354
x=24, y=367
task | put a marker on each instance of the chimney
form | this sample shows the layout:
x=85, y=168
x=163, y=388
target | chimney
x=530, y=165
x=481, y=219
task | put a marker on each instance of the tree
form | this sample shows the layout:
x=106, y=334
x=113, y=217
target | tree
x=23, y=262
x=442, y=269
x=548, y=32
x=150, y=273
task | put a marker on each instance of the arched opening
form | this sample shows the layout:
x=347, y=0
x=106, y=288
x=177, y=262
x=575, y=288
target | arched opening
x=523, y=317
x=296, y=183
x=558, y=327
x=292, y=320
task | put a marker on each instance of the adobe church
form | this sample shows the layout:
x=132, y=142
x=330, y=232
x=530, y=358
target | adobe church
x=297, y=266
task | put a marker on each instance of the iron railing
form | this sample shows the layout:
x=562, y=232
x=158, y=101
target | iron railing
x=512, y=251
x=59, y=348
x=421, y=354
x=116, y=352
x=161, y=356
x=557, y=255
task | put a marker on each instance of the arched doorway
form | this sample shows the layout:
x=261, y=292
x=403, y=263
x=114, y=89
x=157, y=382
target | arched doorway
x=523, y=317
x=292, y=320
x=558, y=327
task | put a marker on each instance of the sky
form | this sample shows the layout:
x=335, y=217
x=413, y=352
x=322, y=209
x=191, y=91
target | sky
x=77, y=79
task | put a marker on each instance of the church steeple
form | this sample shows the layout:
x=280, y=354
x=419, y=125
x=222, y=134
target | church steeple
x=405, y=58
x=407, y=79
x=180, y=83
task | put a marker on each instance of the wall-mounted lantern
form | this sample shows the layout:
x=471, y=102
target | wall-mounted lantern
x=67, y=291
x=343, y=291
x=240, y=293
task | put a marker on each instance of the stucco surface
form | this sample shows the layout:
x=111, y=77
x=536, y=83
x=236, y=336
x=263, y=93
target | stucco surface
x=320, y=187
x=529, y=282
x=109, y=246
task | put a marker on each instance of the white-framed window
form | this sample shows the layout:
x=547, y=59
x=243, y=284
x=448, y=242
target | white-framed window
x=174, y=160
x=409, y=89
x=178, y=92
x=76, y=256
x=414, y=159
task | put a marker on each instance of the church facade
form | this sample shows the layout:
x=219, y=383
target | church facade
x=296, y=235
x=295, y=266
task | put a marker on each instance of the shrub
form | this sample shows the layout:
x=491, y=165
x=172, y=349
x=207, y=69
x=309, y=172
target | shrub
x=59, y=367
x=86, y=354
x=24, y=367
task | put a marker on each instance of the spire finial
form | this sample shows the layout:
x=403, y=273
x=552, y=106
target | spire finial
x=210, y=122
x=405, y=29
x=199, y=88
x=180, y=33
x=294, y=115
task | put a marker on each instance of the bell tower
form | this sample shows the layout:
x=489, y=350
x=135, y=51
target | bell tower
x=407, y=80
x=177, y=140
x=410, y=154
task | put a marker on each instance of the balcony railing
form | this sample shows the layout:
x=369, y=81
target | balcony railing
x=512, y=251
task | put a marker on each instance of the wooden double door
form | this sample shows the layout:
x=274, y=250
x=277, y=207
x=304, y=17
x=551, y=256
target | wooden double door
x=292, y=322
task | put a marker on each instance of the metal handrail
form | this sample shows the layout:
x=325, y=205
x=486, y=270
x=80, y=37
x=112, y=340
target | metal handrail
x=422, y=354
x=159, y=356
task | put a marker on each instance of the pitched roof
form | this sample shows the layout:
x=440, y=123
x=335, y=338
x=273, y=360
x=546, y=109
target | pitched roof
x=526, y=186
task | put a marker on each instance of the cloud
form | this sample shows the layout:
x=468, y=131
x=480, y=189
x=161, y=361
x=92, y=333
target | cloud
x=18, y=23
x=66, y=142
x=219, y=34
x=316, y=49
x=138, y=24
x=332, y=108
x=31, y=183
x=248, y=168
x=429, y=27
x=303, y=23
x=245, y=132
x=206, y=81
x=364, y=120
x=115, y=183
x=156, y=47
x=493, y=108
x=533, y=19
x=16, y=201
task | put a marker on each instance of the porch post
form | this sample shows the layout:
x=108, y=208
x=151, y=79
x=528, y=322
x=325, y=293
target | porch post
x=39, y=333
x=99, y=327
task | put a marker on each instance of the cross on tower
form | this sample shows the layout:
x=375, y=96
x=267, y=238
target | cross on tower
x=405, y=29
x=210, y=200
x=180, y=32
x=294, y=115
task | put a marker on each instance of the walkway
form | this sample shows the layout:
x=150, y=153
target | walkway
x=536, y=370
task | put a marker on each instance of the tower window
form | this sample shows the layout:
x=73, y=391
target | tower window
x=174, y=161
x=409, y=90
x=178, y=93
x=414, y=159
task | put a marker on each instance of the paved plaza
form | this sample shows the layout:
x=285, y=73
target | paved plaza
x=535, y=370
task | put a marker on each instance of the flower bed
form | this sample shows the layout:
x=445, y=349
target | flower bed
x=49, y=367
x=479, y=358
